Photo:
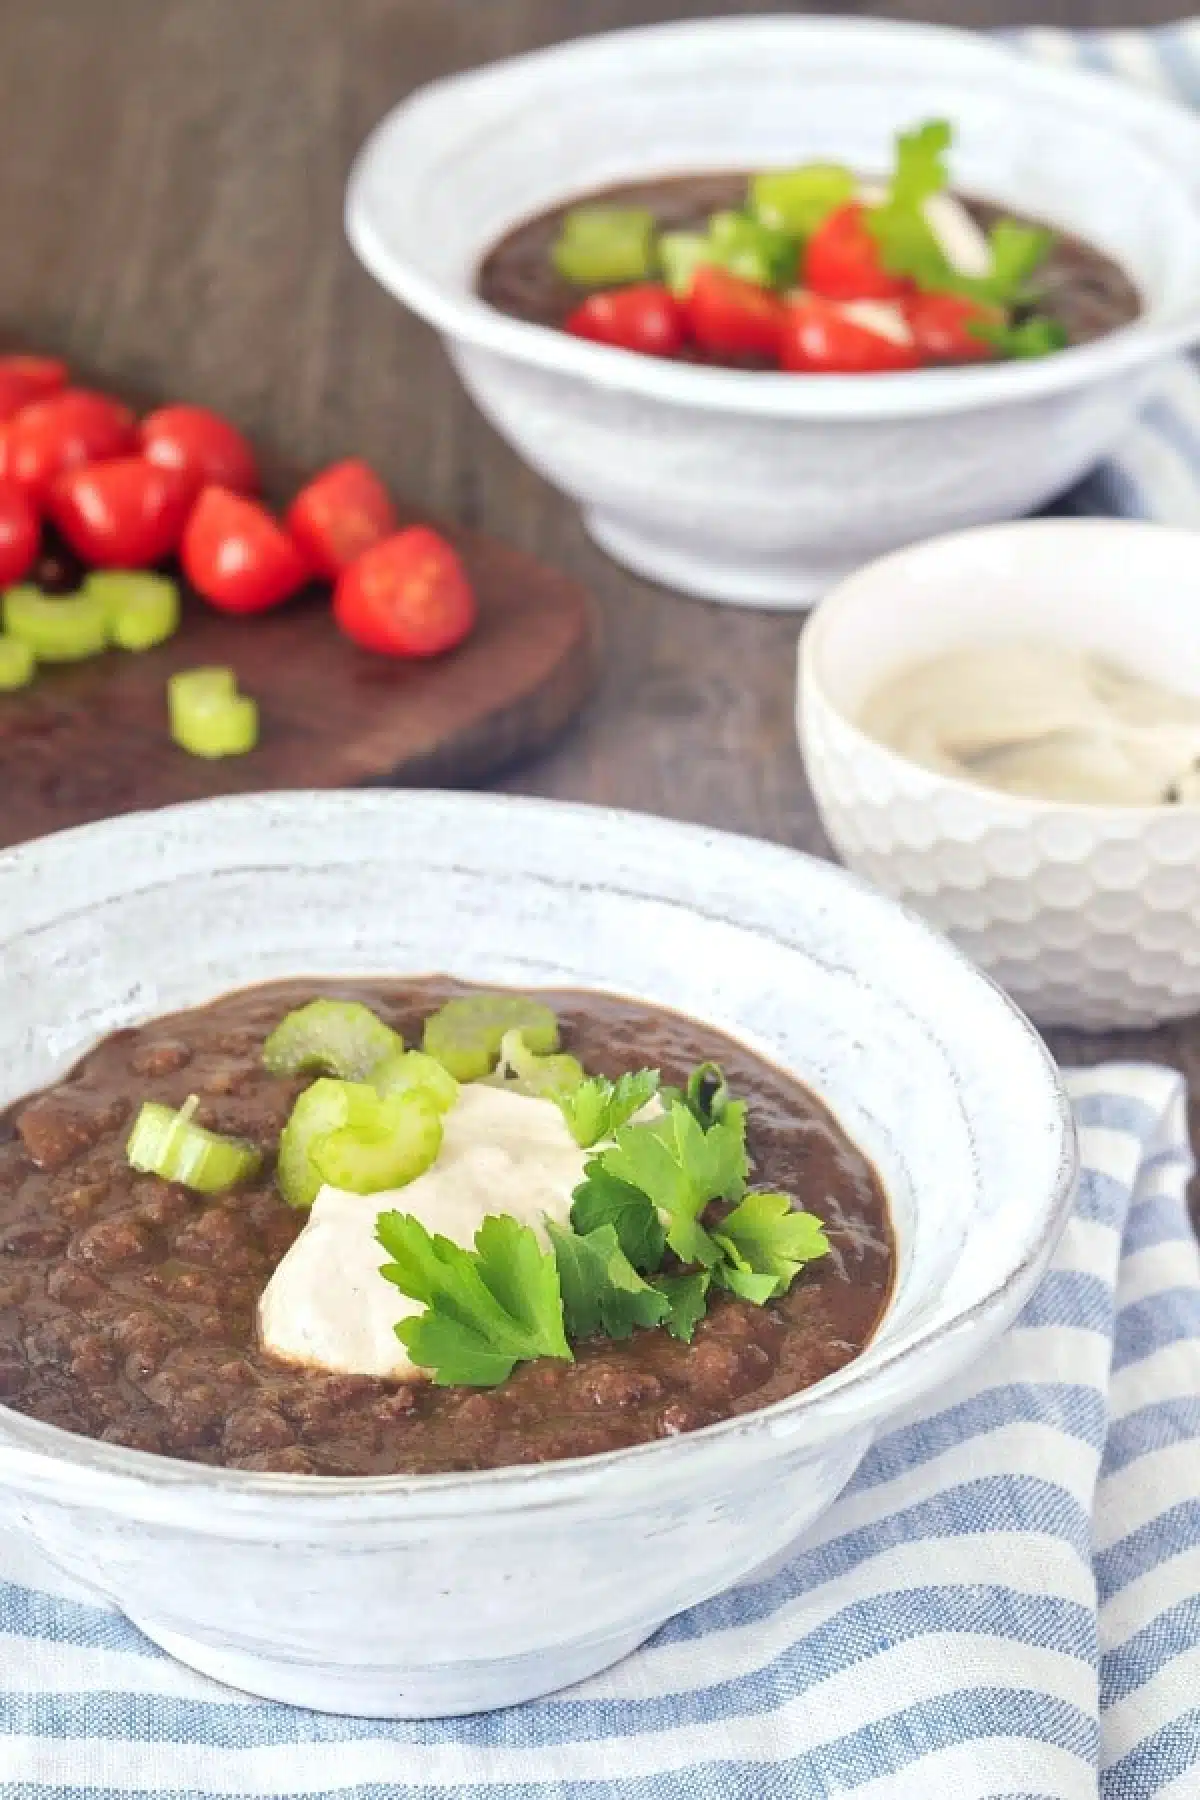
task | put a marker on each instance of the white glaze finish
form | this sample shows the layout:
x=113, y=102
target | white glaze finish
x=454, y=1593
x=1087, y=915
x=763, y=489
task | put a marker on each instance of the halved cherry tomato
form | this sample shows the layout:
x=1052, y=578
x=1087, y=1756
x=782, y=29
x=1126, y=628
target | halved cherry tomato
x=842, y=261
x=24, y=379
x=408, y=596
x=20, y=534
x=122, y=514
x=941, y=327
x=201, y=443
x=731, y=317
x=63, y=432
x=644, y=318
x=820, y=338
x=236, y=555
x=341, y=513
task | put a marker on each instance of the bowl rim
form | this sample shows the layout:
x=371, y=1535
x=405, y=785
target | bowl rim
x=1018, y=806
x=33, y=1452
x=457, y=313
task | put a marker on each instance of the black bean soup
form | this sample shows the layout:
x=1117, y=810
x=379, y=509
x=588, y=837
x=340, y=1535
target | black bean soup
x=1080, y=287
x=128, y=1304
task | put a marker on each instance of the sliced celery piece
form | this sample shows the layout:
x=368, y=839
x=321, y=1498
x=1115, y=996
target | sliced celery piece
x=169, y=1144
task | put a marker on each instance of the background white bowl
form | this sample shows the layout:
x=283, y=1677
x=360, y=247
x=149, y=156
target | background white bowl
x=439, y=1594
x=756, y=488
x=1086, y=915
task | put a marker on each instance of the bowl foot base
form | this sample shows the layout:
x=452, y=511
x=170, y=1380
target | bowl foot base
x=390, y=1692
x=786, y=581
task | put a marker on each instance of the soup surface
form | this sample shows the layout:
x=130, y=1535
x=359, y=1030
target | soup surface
x=128, y=1304
x=1086, y=292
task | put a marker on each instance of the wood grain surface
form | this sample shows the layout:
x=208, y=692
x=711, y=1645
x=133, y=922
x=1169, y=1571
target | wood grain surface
x=170, y=212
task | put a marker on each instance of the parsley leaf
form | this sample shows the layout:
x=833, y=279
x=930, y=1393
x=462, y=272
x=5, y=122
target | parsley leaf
x=1018, y=251
x=485, y=1310
x=598, y=1107
x=909, y=246
x=687, y=1298
x=1036, y=336
x=602, y=1199
x=767, y=1243
x=681, y=1167
x=706, y=1095
x=601, y=1289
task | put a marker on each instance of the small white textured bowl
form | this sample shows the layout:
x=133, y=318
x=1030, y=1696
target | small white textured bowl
x=413, y=1596
x=1087, y=915
x=764, y=489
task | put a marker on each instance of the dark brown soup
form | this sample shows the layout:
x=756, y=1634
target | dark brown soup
x=128, y=1304
x=1084, y=290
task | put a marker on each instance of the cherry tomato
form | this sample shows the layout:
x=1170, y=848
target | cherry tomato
x=408, y=596
x=24, y=379
x=820, y=338
x=237, y=555
x=201, y=443
x=645, y=318
x=731, y=317
x=122, y=514
x=20, y=534
x=341, y=513
x=63, y=432
x=941, y=327
x=842, y=261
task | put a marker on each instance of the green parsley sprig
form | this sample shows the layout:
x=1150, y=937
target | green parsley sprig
x=641, y=1201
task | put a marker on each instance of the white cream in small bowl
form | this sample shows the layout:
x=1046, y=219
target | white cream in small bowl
x=1001, y=729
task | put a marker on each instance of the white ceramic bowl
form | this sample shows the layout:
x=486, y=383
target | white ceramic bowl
x=765, y=489
x=1087, y=915
x=442, y=1594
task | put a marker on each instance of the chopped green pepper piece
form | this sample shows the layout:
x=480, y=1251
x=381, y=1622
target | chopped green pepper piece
x=753, y=251
x=409, y=1069
x=167, y=1143
x=602, y=245
x=142, y=609
x=681, y=254
x=465, y=1034
x=208, y=716
x=18, y=665
x=546, y=1077
x=799, y=200
x=330, y=1037
x=386, y=1150
x=57, y=629
x=322, y=1109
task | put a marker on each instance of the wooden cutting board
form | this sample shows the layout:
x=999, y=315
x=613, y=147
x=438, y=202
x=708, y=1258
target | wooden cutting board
x=88, y=741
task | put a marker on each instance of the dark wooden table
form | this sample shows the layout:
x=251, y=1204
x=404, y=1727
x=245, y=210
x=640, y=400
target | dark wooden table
x=171, y=177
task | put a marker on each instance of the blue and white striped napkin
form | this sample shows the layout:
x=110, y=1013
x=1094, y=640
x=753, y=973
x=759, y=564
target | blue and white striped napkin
x=1004, y=1603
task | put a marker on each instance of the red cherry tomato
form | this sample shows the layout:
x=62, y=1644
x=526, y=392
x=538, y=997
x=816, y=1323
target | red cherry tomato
x=941, y=327
x=20, y=534
x=341, y=513
x=202, y=444
x=24, y=379
x=645, y=318
x=122, y=514
x=408, y=596
x=237, y=555
x=63, y=432
x=820, y=338
x=731, y=317
x=842, y=261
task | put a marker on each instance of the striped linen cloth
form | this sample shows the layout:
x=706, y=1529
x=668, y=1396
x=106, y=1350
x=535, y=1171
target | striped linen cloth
x=1002, y=1606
